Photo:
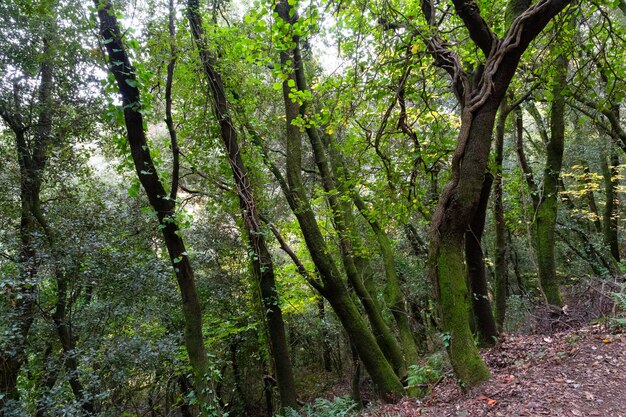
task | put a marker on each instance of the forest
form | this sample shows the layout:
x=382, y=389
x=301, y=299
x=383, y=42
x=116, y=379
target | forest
x=312, y=208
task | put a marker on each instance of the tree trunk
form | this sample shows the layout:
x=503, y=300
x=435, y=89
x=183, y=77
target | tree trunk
x=458, y=203
x=386, y=382
x=120, y=67
x=477, y=279
x=610, y=214
x=460, y=198
x=68, y=344
x=545, y=222
x=501, y=265
x=261, y=260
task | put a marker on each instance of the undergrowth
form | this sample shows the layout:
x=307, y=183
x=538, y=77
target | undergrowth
x=321, y=407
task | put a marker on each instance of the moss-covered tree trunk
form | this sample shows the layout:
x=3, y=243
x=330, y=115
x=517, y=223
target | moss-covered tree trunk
x=400, y=355
x=458, y=203
x=547, y=210
x=334, y=289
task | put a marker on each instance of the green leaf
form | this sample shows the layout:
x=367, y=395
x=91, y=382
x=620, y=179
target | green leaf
x=131, y=82
x=133, y=191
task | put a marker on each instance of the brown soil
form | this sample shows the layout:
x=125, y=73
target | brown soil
x=577, y=373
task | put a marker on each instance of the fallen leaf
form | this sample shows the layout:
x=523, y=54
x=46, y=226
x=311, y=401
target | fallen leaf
x=491, y=402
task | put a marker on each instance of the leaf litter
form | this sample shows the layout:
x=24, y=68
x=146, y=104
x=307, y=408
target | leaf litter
x=567, y=374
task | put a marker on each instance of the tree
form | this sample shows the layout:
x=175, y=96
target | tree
x=164, y=206
x=261, y=258
x=460, y=198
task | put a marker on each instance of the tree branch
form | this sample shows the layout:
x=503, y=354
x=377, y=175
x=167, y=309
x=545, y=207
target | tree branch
x=479, y=30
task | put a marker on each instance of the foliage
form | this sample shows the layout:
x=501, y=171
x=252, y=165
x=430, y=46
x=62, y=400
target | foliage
x=619, y=321
x=425, y=376
x=322, y=407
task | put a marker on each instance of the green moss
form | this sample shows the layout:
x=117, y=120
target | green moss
x=455, y=313
x=545, y=235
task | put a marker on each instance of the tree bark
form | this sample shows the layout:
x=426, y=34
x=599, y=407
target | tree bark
x=501, y=264
x=32, y=159
x=386, y=382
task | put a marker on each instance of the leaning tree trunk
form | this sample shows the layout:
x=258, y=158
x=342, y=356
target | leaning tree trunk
x=165, y=207
x=386, y=382
x=261, y=260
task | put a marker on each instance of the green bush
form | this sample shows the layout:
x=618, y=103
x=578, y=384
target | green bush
x=423, y=377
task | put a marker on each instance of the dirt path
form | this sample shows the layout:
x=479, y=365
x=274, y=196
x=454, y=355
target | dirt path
x=571, y=374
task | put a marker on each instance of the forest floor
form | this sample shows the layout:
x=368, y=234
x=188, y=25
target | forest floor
x=567, y=374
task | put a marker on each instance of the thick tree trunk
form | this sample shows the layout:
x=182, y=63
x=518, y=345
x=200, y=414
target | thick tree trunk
x=459, y=202
x=261, y=260
x=120, y=67
x=485, y=324
x=460, y=199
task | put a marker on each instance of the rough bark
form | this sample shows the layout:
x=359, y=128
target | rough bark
x=121, y=68
x=262, y=263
